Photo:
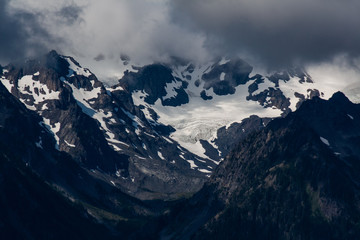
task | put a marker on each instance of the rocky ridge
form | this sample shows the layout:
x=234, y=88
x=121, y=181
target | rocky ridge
x=102, y=129
x=298, y=178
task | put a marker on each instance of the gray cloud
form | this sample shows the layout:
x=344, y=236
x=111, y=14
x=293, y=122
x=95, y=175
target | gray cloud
x=12, y=34
x=274, y=32
x=277, y=31
x=86, y=28
x=70, y=14
x=21, y=34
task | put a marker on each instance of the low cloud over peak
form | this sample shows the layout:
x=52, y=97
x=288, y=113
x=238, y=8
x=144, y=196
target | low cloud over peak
x=271, y=32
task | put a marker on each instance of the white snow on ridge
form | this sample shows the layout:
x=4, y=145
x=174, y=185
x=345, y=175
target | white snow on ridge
x=78, y=70
x=82, y=97
x=6, y=83
x=224, y=61
x=70, y=145
x=222, y=76
x=204, y=171
x=325, y=141
x=192, y=164
x=170, y=89
x=160, y=155
x=136, y=120
x=44, y=107
x=27, y=85
x=54, y=128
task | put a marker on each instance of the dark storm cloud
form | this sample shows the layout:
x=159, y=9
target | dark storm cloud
x=17, y=34
x=24, y=32
x=11, y=34
x=277, y=31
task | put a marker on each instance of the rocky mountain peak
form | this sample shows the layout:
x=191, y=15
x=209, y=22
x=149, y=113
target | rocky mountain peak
x=102, y=129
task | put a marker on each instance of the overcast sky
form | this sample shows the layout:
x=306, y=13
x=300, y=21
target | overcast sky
x=269, y=32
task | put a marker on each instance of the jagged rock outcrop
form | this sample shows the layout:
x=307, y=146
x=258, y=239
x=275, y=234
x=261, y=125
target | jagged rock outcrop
x=296, y=179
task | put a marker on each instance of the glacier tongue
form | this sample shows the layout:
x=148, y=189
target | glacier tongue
x=200, y=120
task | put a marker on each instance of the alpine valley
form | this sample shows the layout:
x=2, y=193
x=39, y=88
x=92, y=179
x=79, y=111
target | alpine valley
x=175, y=151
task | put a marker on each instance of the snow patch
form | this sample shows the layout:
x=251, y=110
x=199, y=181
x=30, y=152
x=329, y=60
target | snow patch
x=136, y=120
x=116, y=148
x=53, y=128
x=40, y=92
x=160, y=155
x=204, y=171
x=325, y=141
x=192, y=164
x=224, y=61
x=170, y=89
x=222, y=76
x=118, y=88
x=70, y=145
x=7, y=83
x=44, y=107
x=74, y=68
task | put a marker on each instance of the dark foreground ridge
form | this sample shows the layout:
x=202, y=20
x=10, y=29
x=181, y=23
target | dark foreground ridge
x=298, y=178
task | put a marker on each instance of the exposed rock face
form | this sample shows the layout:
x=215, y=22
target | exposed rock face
x=228, y=138
x=46, y=194
x=230, y=74
x=153, y=79
x=296, y=179
x=42, y=87
x=102, y=129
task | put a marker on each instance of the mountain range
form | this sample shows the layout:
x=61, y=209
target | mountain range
x=176, y=151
